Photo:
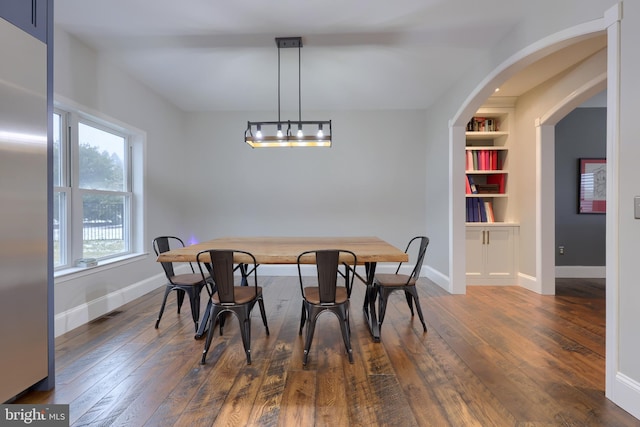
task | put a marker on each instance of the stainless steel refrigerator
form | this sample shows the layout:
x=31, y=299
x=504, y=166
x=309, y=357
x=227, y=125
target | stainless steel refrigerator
x=23, y=211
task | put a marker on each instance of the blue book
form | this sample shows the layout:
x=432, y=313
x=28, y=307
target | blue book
x=474, y=210
x=472, y=184
x=483, y=211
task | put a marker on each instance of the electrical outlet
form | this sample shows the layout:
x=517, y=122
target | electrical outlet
x=561, y=250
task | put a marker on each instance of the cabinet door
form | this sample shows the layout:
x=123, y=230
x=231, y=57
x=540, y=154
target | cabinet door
x=499, y=252
x=28, y=15
x=475, y=252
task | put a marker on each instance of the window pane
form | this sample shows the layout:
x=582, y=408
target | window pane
x=57, y=153
x=102, y=159
x=103, y=232
x=59, y=235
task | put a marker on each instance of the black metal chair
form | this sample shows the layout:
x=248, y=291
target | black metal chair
x=187, y=283
x=322, y=293
x=225, y=296
x=385, y=284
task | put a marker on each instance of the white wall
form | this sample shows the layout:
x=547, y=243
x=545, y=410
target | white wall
x=629, y=176
x=370, y=182
x=91, y=82
x=529, y=107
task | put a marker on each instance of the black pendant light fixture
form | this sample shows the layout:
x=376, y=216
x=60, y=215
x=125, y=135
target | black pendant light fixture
x=289, y=133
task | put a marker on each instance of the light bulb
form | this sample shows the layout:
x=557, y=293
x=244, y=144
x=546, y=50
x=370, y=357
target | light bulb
x=279, y=132
x=300, y=134
x=258, y=132
x=320, y=134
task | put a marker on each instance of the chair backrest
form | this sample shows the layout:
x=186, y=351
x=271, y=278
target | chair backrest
x=220, y=265
x=327, y=263
x=422, y=249
x=163, y=244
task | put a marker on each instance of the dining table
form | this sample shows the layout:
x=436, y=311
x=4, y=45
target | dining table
x=285, y=250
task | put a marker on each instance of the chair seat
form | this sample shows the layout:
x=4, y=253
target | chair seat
x=242, y=294
x=187, y=279
x=312, y=294
x=393, y=280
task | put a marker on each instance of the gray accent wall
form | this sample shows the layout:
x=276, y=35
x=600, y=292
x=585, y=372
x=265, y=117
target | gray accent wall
x=581, y=134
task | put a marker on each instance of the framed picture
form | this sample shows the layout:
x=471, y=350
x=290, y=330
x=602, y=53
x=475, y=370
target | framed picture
x=593, y=186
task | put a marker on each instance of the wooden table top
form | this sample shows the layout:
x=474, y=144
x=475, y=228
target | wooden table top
x=285, y=250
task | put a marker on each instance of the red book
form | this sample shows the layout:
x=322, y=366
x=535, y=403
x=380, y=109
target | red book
x=499, y=179
x=489, y=209
x=469, y=160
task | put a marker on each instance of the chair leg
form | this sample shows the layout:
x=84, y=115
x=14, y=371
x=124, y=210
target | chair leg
x=303, y=318
x=167, y=291
x=244, y=318
x=214, y=312
x=311, y=327
x=343, y=316
x=407, y=295
x=414, y=293
x=180, y=298
x=263, y=314
x=382, y=304
x=194, y=301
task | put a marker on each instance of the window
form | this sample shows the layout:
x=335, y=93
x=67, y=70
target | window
x=94, y=199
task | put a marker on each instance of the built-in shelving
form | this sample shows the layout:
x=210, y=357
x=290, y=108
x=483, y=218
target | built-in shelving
x=487, y=159
x=491, y=232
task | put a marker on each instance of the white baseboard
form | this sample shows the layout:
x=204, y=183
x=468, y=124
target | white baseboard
x=626, y=394
x=86, y=312
x=436, y=277
x=580, y=272
x=528, y=282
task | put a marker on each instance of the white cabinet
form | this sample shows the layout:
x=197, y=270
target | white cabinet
x=491, y=254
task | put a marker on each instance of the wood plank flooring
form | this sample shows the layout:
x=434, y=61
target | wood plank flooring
x=497, y=356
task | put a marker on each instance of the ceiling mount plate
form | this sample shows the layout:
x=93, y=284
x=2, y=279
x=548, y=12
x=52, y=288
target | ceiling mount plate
x=283, y=42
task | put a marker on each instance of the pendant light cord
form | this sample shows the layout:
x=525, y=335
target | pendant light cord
x=299, y=89
x=278, y=83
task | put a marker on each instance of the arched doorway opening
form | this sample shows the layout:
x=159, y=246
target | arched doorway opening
x=543, y=278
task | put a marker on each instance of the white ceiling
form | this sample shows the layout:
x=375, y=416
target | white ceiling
x=208, y=55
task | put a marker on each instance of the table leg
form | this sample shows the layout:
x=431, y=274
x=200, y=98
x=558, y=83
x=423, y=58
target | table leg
x=243, y=272
x=369, y=306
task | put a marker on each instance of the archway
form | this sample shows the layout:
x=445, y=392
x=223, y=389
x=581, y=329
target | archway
x=545, y=239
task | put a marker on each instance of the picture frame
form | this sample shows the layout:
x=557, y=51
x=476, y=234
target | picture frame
x=592, y=186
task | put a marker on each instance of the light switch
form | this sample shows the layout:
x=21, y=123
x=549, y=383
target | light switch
x=636, y=207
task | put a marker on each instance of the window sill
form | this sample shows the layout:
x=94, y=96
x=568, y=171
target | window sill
x=76, y=272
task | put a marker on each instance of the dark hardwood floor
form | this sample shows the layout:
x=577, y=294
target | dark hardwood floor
x=497, y=356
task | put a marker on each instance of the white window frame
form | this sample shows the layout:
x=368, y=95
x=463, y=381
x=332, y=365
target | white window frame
x=71, y=241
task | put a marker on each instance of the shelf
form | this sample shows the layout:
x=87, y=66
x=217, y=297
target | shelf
x=487, y=195
x=486, y=172
x=485, y=147
x=491, y=224
x=485, y=135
